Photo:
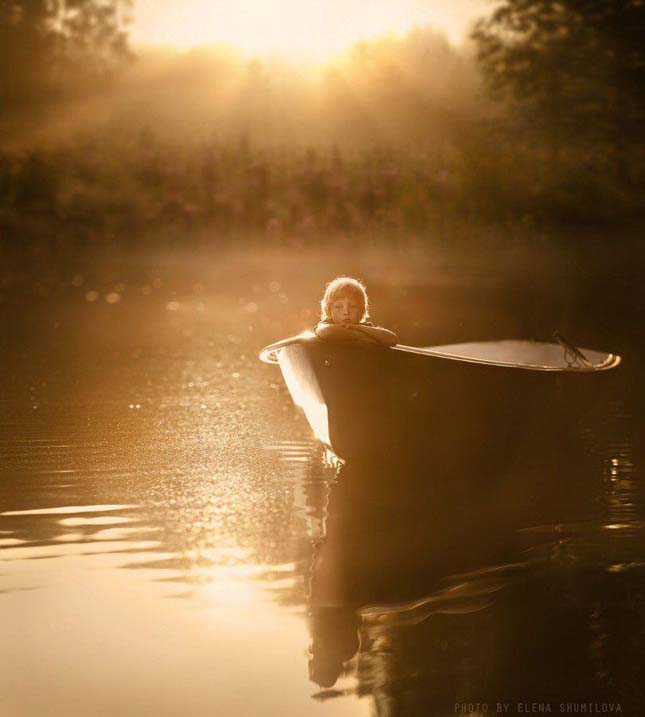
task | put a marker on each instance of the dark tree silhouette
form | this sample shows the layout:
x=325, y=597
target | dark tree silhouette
x=573, y=72
x=53, y=47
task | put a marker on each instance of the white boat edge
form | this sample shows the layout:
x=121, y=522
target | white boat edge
x=510, y=353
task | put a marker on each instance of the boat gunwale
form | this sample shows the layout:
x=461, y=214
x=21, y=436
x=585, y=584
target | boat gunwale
x=611, y=361
x=269, y=354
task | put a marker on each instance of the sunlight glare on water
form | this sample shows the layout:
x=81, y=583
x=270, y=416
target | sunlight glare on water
x=181, y=596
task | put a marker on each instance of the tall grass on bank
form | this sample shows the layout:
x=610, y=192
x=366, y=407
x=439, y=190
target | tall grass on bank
x=127, y=190
x=396, y=139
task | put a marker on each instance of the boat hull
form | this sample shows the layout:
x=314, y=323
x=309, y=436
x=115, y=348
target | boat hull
x=367, y=401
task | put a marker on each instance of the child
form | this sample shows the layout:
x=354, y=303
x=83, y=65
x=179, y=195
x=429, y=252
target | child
x=345, y=315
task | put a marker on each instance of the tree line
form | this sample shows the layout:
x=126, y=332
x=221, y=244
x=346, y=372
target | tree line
x=560, y=141
x=571, y=76
x=50, y=49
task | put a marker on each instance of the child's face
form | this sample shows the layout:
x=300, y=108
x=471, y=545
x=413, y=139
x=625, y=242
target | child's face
x=346, y=309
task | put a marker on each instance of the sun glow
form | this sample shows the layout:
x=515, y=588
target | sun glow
x=316, y=29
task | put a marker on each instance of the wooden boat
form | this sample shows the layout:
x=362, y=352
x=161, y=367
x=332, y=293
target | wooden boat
x=463, y=400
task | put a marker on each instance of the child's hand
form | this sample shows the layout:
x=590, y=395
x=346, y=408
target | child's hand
x=357, y=334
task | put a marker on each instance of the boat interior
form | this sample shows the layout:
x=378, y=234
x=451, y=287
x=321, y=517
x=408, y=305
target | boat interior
x=523, y=354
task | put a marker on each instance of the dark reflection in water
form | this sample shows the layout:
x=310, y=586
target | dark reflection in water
x=434, y=591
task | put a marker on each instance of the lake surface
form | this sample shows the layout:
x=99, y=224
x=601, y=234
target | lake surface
x=172, y=541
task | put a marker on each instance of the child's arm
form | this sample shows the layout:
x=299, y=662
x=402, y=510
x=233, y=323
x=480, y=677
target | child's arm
x=356, y=332
x=378, y=334
x=333, y=332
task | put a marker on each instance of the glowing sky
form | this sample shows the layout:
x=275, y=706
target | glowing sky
x=296, y=28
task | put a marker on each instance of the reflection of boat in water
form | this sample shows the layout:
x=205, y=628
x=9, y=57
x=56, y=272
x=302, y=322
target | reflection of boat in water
x=422, y=599
x=387, y=542
x=464, y=399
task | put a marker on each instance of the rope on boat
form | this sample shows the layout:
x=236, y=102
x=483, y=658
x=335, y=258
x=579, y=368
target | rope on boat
x=572, y=355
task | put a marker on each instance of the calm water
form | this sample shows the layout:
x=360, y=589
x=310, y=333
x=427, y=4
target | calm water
x=172, y=543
